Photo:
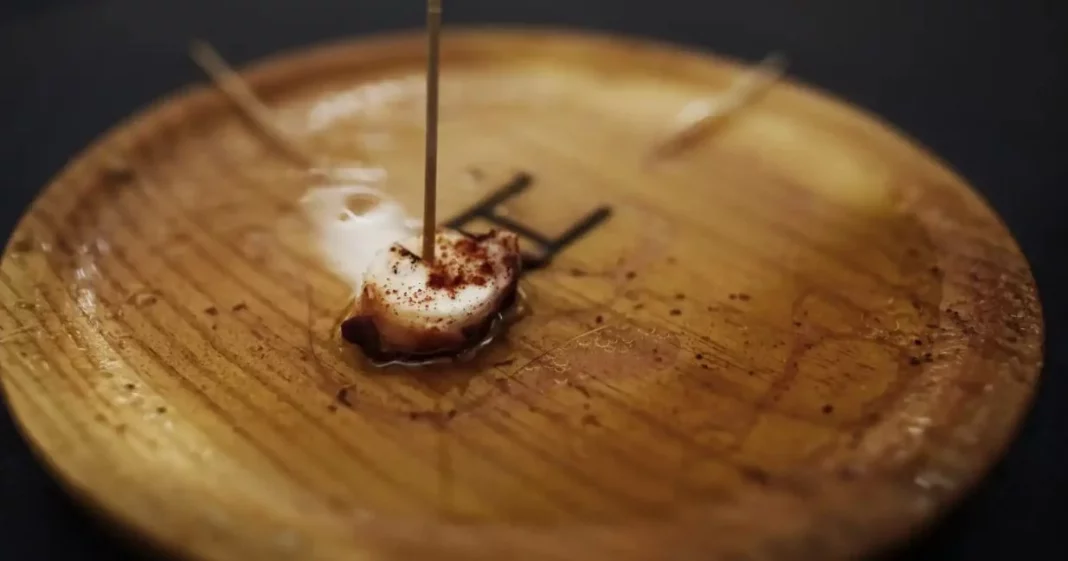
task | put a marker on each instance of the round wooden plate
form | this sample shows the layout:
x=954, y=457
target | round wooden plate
x=800, y=339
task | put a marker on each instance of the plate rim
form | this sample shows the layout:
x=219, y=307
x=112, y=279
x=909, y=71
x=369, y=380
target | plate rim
x=269, y=68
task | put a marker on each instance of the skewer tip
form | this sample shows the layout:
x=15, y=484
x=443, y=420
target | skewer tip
x=200, y=49
x=747, y=86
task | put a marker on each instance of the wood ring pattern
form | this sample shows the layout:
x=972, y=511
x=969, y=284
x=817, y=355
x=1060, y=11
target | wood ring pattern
x=801, y=339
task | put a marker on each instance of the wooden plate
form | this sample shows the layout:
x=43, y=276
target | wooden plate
x=800, y=339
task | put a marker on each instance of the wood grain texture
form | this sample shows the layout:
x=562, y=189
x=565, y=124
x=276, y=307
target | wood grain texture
x=804, y=336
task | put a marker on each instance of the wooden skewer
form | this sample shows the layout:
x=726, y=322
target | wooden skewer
x=712, y=111
x=430, y=193
x=238, y=91
x=241, y=95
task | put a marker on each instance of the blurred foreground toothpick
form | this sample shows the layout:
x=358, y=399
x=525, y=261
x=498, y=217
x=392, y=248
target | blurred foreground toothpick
x=433, y=25
x=239, y=92
x=698, y=117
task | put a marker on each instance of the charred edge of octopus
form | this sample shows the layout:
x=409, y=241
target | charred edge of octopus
x=362, y=332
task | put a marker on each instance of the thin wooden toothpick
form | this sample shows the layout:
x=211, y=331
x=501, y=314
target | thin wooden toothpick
x=705, y=113
x=430, y=194
x=238, y=91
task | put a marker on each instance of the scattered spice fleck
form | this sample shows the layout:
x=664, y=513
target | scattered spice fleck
x=578, y=273
x=732, y=296
x=437, y=280
x=161, y=410
x=917, y=342
x=116, y=173
x=63, y=246
x=828, y=409
x=756, y=475
x=599, y=320
x=914, y=361
x=744, y=297
x=581, y=389
x=403, y=252
x=343, y=397
x=676, y=312
x=211, y=311
x=140, y=299
x=680, y=296
x=130, y=387
x=699, y=356
x=22, y=246
x=239, y=306
x=631, y=274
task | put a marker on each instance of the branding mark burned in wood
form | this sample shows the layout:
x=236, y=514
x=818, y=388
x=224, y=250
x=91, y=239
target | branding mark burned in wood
x=486, y=209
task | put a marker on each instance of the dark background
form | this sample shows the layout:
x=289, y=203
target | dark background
x=981, y=82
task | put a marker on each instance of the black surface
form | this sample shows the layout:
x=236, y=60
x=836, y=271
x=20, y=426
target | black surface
x=981, y=82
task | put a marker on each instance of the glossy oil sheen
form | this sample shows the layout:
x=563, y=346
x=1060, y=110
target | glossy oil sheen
x=799, y=339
